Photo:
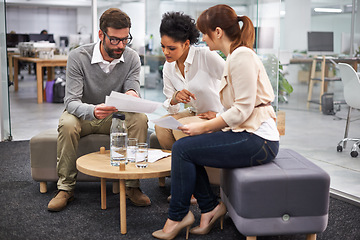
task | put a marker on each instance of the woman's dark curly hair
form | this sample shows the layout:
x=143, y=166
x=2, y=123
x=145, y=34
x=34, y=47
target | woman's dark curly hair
x=179, y=26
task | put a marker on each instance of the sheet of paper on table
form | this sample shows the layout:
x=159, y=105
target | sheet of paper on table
x=167, y=122
x=127, y=103
x=156, y=154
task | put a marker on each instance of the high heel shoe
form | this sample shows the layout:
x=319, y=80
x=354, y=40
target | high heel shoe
x=187, y=221
x=220, y=213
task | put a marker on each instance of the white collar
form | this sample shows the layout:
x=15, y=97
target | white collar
x=191, y=54
x=98, y=58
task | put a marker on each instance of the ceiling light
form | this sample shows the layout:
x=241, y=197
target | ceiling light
x=328, y=10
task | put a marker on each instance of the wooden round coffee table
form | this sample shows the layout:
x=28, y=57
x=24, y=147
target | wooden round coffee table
x=98, y=165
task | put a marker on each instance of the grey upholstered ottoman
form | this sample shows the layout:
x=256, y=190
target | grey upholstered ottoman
x=287, y=196
x=43, y=155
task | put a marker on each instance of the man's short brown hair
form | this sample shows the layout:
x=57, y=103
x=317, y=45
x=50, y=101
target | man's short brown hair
x=114, y=18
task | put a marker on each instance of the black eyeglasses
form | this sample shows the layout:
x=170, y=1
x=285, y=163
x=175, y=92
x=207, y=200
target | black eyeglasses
x=116, y=41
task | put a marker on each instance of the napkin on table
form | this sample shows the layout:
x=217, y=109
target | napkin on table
x=156, y=154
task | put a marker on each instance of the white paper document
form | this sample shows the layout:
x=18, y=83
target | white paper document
x=127, y=103
x=167, y=122
x=155, y=154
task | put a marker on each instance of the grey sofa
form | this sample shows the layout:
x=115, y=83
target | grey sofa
x=43, y=155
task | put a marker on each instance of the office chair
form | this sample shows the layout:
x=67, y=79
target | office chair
x=351, y=82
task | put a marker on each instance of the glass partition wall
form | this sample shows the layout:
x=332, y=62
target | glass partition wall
x=297, y=19
x=265, y=15
x=5, y=130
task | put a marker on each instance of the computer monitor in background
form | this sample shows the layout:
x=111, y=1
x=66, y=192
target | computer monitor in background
x=13, y=39
x=320, y=43
x=264, y=37
x=41, y=37
x=345, y=43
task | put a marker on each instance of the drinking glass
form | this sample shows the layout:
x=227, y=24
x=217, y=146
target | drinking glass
x=141, y=157
x=131, y=149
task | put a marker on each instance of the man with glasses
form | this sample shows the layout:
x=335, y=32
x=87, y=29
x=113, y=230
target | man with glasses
x=92, y=72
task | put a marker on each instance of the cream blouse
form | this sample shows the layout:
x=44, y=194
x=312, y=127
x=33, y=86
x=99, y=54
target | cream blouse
x=244, y=87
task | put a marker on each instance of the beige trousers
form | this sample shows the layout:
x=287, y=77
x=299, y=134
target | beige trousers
x=166, y=136
x=71, y=129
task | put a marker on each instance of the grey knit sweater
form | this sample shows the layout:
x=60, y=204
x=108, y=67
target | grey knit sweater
x=87, y=84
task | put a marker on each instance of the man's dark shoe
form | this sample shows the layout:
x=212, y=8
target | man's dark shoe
x=60, y=200
x=137, y=197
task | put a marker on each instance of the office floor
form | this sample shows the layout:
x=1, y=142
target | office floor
x=308, y=131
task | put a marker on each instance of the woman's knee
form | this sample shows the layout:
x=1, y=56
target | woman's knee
x=179, y=147
x=179, y=134
x=163, y=133
x=165, y=137
x=191, y=119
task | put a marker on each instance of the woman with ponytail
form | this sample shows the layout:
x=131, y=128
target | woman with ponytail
x=242, y=136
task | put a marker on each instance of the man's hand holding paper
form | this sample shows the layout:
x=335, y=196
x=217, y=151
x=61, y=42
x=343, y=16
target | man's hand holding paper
x=101, y=111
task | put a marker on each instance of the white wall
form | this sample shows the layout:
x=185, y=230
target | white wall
x=268, y=17
x=35, y=19
x=57, y=20
x=337, y=24
x=298, y=21
x=136, y=12
x=83, y=20
x=295, y=25
x=64, y=21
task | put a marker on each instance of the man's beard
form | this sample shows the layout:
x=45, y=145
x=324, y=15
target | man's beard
x=111, y=52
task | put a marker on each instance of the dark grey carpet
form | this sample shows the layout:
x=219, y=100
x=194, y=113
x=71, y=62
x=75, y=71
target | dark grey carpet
x=23, y=213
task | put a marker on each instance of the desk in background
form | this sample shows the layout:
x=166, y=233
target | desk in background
x=351, y=61
x=57, y=61
x=11, y=64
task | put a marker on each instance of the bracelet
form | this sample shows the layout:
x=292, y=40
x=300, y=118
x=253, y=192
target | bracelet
x=174, y=97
